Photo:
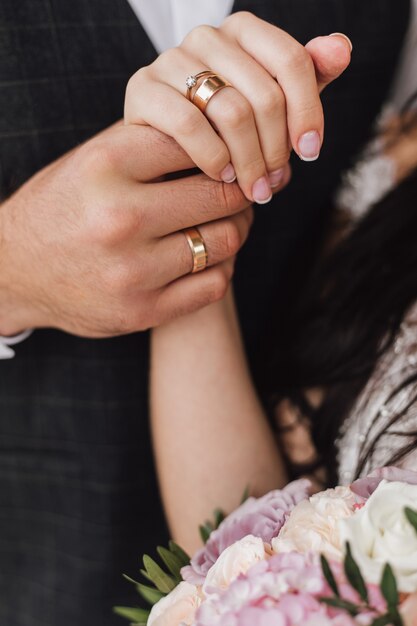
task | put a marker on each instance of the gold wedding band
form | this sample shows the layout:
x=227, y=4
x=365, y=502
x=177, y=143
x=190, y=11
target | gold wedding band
x=208, y=88
x=198, y=249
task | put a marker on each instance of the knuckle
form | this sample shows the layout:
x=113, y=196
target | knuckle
x=97, y=156
x=232, y=239
x=173, y=57
x=110, y=226
x=188, y=122
x=310, y=115
x=270, y=101
x=199, y=36
x=134, y=88
x=278, y=159
x=236, y=114
x=137, y=79
x=300, y=60
x=250, y=216
x=217, y=160
x=219, y=285
x=238, y=19
x=231, y=198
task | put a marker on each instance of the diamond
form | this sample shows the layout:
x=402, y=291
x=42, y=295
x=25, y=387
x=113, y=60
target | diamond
x=190, y=81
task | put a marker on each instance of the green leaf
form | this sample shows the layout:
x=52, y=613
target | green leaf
x=150, y=594
x=328, y=574
x=145, y=575
x=139, y=616
x=386, y=620
x=338, y=603
x=411, y=516
x=161, y=580
x=219, y=516
x=131, y=580
x=389, y=589
x=205, y=532
x=172, y=562
x=246, y=494
x=179, y=552
x=354, y=576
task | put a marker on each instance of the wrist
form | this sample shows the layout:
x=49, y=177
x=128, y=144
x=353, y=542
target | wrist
x=16, y=310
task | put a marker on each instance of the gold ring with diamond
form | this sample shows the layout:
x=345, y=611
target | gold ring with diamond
x=192, y=80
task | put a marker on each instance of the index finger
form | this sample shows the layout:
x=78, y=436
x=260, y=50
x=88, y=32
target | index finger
x=186, y=202
x=145, y=153
x=291, y=65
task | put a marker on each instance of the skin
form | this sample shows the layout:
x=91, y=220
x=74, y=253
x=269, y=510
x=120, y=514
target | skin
x=83, y=248
x=92, y=243
x=211, y=435
x=273, y=103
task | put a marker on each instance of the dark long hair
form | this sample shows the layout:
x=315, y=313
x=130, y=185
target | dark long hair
x=349, y=316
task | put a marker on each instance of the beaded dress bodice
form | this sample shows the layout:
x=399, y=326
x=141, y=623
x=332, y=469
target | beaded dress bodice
x=371, y=422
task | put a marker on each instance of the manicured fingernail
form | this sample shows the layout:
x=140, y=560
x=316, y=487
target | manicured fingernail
x=275, y=177
x=228, y=175
x=309, y=146
x=344, y=36
x=261, y=191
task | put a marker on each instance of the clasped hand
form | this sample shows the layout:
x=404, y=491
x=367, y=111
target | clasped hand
x=92, y=244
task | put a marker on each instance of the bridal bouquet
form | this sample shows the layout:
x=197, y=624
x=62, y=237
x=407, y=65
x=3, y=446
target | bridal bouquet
x=343, y=557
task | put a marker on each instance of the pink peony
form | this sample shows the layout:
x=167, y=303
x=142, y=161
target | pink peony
x=260, y=517
x=283, y=591
x=365, y=487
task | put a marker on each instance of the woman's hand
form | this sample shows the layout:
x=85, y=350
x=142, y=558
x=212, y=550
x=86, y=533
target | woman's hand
x=274, y=103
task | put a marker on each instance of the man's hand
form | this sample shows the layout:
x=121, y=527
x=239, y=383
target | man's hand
x=92, y=243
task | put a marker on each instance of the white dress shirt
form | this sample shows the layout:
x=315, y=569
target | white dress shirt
x=166, y=22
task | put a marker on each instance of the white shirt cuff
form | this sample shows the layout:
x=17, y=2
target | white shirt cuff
x=6, y=352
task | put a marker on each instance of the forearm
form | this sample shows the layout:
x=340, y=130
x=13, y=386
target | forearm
x=211, y=436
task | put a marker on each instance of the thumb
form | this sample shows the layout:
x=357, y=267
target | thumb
x=331, y=56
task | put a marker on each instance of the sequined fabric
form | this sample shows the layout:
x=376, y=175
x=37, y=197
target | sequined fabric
x=385, y=396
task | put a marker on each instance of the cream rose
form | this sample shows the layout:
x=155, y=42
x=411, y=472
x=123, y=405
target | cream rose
x=313, y=524
x=235, y=560
x=379, y=533
x=177, y=608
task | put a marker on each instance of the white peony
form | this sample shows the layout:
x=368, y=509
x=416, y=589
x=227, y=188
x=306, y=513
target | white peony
x=177, y=608
x=235, y=560
x=379, y=533
x=313, y=525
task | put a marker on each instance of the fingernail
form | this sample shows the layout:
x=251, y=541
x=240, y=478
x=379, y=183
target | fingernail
x=344, y=36
x=309, y=146
x=228, y=175
x=275, y=177
x=261, y=191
